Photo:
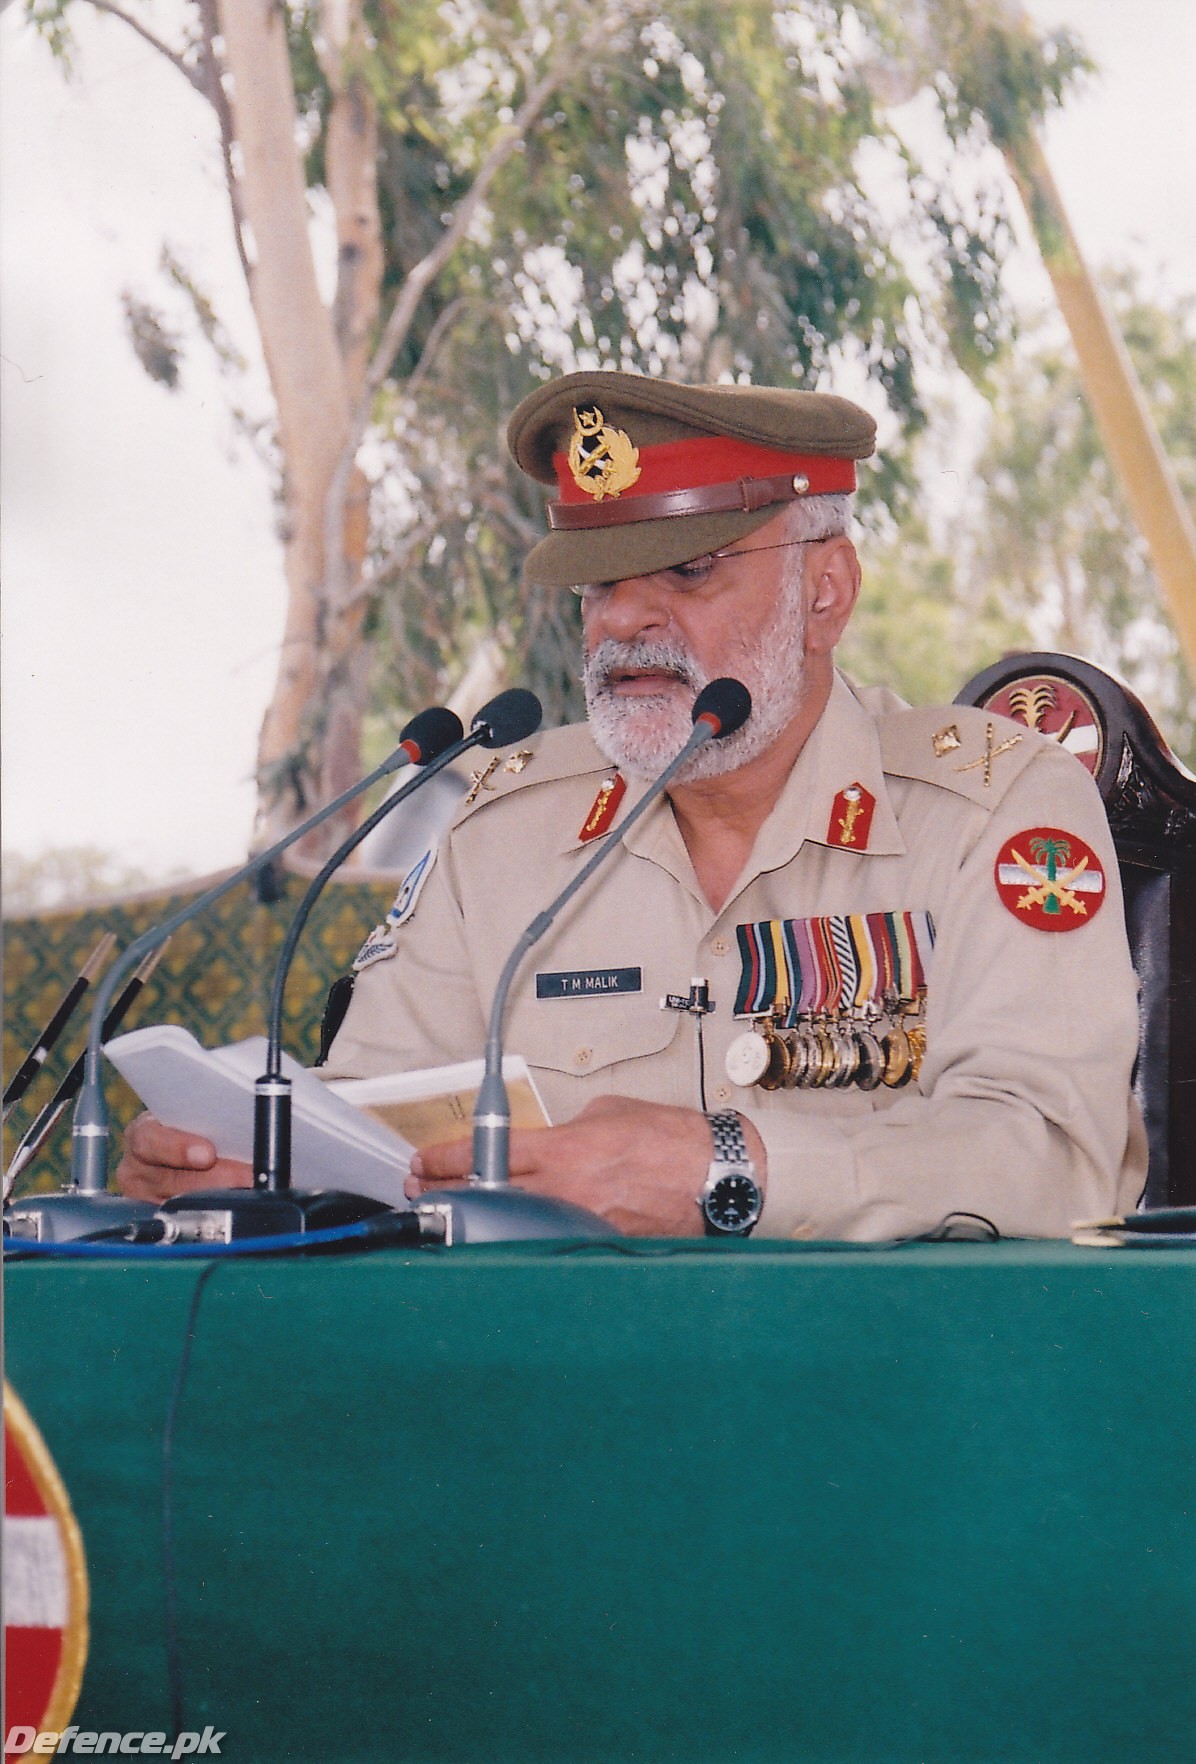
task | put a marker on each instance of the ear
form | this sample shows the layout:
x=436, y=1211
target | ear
x=832, y=584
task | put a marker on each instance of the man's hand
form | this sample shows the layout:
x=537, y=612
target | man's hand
x=641, y=1165
x=160, y=1161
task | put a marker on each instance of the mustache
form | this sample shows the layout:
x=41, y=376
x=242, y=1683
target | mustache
x=661, y=655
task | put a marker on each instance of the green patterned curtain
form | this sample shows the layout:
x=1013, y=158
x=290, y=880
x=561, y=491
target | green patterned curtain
x=214, y=979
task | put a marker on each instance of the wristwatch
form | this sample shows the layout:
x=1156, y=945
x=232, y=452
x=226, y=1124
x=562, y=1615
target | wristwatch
x=731, y=1200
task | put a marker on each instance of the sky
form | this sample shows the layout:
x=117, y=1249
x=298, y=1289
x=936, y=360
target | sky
x=142, y=577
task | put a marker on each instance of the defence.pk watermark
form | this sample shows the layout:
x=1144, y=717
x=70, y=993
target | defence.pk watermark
x=44, y=1743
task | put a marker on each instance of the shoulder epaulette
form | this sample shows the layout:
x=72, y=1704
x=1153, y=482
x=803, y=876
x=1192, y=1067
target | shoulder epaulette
x=970, y=752
x=567, y=752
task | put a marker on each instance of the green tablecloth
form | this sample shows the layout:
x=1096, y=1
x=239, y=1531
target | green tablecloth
x=750, y=1503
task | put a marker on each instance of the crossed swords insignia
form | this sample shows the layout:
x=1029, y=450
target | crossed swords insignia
x=1045, y=888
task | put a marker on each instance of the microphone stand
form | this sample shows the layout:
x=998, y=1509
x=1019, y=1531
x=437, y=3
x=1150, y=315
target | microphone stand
x=261, y=1210
x=488, y=1209
x=87, y=1205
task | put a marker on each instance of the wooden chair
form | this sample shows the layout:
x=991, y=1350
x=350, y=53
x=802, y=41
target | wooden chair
x=1150, y=799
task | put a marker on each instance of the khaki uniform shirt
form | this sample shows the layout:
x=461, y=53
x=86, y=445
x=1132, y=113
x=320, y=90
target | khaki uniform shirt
x=1022, y=1109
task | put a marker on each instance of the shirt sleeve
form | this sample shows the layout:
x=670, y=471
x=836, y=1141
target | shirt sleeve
x=417, y=1004
x=1022, y=1112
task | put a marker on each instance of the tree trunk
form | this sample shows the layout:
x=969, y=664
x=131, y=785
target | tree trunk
x=309, y=743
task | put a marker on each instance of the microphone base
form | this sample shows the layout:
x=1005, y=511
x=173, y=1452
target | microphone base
x=72, y=1213
x=221, y=1215
x=510, y=1215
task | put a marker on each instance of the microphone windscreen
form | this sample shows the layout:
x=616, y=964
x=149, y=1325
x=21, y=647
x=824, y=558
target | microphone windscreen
x=512, y=716
x=725, y=704
x=428, y=734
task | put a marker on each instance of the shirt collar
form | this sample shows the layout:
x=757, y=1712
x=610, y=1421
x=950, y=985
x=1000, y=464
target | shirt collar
x=841, y=754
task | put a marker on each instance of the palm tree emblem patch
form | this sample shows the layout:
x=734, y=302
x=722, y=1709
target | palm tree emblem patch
x=1050, y=879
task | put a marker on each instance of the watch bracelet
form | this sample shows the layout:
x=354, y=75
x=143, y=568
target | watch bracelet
x=726, y=1130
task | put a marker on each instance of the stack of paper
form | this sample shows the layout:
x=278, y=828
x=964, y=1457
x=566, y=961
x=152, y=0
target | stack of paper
x=355, y=1134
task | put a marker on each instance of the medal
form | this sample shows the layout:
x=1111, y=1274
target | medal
x=870, y=1068
x=748, y=1059
x=898, y=1061
x=847, y=1057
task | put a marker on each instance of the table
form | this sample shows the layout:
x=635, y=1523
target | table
x=736, y=1502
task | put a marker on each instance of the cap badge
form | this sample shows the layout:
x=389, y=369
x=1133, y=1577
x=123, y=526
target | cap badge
x=602, y=460
x=1049, y=879
x=851, y=817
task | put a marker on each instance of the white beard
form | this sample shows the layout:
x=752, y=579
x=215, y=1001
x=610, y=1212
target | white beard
x=642, y=734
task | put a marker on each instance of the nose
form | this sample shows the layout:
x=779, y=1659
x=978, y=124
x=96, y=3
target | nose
x=626, y=609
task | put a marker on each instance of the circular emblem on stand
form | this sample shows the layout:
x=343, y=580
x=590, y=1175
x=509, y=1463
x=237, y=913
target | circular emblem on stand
x=1058, y=710
x=45, y=1583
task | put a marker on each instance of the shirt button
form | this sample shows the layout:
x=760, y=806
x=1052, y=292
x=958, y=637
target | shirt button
x=721, y=1093
x=583, y=1056
x=719, y=947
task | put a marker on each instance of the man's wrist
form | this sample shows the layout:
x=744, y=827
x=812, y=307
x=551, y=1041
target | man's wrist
x=731, y=1199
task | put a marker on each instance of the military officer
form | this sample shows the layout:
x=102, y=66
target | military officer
x=863, y=967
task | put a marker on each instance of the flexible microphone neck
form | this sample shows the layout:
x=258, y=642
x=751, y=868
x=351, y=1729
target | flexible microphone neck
x=722, y=707
x=512, y=716
x=90, y=1132
x=435, y=762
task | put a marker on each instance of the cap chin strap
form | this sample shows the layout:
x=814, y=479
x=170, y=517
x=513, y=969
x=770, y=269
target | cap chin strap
x=743, y=496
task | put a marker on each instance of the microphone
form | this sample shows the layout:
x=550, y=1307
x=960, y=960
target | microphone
x=725, y=705
x=48, y=1118
x=511, y=716
x=488, y=1208
x=86, y=1204
x=38, y=1054
x=427, y=735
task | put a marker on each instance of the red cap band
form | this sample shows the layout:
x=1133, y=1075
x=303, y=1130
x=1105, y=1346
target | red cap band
x=715, y=460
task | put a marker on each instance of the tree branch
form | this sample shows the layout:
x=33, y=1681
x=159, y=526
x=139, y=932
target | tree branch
x=190, y=74
x=213, y=90
x=423, y=273
x=435, y=338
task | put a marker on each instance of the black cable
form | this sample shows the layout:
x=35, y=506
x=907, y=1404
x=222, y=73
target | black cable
x=946, y=1232
x=701, y=1064
x=173, y=1664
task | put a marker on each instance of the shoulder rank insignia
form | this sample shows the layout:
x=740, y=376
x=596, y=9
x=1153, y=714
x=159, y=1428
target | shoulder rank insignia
x=990, y=753
x=480, y=780
x=851, y=817
x=1049, y=879
x=604, y=808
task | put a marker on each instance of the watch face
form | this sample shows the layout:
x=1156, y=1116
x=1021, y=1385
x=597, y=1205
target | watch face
x=733, y=1204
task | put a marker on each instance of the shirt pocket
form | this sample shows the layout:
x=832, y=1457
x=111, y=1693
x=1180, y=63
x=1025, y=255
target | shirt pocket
x=583, y=1035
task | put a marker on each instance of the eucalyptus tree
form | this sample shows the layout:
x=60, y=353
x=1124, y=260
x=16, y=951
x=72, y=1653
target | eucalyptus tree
x=690, y=186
